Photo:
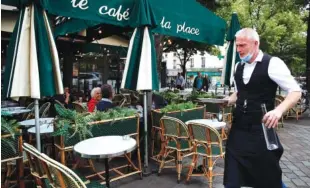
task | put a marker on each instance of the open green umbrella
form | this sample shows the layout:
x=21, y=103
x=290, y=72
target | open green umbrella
x=140, y=71
x=32, y=67
x=231, y=57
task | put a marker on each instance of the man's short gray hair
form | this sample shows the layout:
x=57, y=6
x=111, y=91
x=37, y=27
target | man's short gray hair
x=248, y=33
x=93, y=91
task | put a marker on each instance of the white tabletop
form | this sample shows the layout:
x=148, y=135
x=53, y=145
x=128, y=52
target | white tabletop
x=16, y=111
x=12, y=108
x=44, y=129
x=31, y=122
x=215, y=124
x=213, y=100
x=105, y=146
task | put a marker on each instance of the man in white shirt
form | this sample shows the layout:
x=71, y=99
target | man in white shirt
x=248, y=162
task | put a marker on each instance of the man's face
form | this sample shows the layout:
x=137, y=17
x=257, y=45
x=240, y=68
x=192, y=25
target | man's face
x=199, y=74
x=245, y=46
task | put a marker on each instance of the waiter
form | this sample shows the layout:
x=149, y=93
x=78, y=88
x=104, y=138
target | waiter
x=257, y=76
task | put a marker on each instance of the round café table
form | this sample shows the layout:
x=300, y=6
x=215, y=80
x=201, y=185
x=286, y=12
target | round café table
x=44, y=129
x=14, y=111
x=12, y=108
x=105, y=147
x=31, y=122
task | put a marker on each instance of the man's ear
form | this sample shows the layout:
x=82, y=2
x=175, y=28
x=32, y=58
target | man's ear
x=256, y=43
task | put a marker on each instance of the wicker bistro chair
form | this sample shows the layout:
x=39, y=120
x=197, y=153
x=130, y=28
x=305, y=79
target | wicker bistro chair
x=176, y=137
x=43, y=111
x=295, y=111
x=36, y=167
x=11, y=154
x=208, y=144
x=156, y=115
x=29, y=114
x=56, y=174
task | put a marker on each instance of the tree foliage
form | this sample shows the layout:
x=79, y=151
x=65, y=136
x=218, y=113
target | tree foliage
x=280, y=24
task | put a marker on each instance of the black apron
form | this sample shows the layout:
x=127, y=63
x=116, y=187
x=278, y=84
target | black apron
x=247, y=160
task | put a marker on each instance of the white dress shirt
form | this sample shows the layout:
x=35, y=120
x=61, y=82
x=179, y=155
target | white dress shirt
x=277, y=71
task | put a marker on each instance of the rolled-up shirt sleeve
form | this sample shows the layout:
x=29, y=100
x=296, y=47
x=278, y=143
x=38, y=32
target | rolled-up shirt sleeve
x=279, y=73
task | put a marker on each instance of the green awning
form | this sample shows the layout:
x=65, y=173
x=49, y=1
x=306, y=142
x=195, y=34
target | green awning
x=179, y=18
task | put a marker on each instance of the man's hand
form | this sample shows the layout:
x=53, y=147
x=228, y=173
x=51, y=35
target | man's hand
x=231, y=99
x=272, y=117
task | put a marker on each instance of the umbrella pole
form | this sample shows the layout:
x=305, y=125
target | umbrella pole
x=146, y=163
x=37, y=123
x=146, y=170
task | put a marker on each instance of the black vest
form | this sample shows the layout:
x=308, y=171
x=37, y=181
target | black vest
x=260, y=88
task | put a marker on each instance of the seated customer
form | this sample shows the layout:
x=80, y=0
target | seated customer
x=95, y=98
x=107, y=96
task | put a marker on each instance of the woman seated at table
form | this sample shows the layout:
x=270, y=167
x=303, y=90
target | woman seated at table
x=95, y=98
x=107, y=96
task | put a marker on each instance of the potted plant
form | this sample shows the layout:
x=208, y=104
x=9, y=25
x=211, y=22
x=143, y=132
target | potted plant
x=72, y=127
x=9, y=138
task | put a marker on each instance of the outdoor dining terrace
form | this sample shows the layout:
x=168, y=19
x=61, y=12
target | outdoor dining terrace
x=82, y=149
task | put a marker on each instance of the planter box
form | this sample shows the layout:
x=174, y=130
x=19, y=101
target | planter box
x=189, y=114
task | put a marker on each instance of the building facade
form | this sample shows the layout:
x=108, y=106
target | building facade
x=204, y=63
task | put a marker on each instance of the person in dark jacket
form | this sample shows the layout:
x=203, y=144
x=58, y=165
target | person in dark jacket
x=107, y=96
x=198, y=82
x=206, y=83
x=66, y=99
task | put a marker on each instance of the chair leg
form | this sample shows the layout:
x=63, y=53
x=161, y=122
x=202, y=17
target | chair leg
x=8, y=175
x=179, y=165
x=153, y=141
x=162, y=163
x=139, y=161
x=210, y=171
x=191, y=168
x=62, y=157
x=20, y=176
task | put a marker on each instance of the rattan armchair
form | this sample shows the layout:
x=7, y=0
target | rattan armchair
x=176, y=139
x=208, y=144
x=12, y=154
x=36, y=167
x=44, y=109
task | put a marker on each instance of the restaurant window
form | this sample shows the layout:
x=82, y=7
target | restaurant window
x=192, y=62
x=203, y=62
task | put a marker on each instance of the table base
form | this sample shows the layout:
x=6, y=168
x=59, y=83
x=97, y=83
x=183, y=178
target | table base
x=106, y=176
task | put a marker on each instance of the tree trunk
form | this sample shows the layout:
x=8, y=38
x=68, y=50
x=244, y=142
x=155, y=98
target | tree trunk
x=159, y=52
x=184, y=63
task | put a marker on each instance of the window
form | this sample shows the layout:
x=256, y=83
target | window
x=174, y=54
x=192, y=62
x=174, y=64
x=166, y=55
x=203, y=62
